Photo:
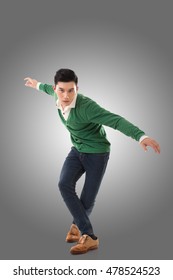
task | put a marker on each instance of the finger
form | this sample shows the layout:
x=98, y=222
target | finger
x=28, y=78
x=144, y=147
x=156, y=147
x=28, y=84
x=159, y=149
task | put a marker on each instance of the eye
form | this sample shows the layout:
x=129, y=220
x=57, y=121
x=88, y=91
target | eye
x=71, y=90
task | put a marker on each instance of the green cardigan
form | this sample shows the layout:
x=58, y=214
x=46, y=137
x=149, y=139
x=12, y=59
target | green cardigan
x=85, y=124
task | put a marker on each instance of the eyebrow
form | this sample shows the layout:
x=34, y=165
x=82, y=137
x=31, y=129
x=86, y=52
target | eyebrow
x=63, y=88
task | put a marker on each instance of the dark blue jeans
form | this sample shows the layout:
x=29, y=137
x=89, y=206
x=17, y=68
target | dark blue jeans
x=75, y=165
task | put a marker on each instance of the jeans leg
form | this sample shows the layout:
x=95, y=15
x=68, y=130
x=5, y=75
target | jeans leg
x=95, y=166
x=72, y=170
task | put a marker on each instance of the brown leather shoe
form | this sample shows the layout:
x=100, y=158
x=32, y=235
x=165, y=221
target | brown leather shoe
x=73, y=235
x=85, y=244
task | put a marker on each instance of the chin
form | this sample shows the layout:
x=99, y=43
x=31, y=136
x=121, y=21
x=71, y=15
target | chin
x=66, y=103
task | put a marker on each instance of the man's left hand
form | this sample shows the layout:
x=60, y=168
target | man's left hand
x=152, y=143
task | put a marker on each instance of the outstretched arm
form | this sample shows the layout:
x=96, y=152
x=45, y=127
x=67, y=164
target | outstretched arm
x=97, y=114
x=151, y=143
x=49, y=89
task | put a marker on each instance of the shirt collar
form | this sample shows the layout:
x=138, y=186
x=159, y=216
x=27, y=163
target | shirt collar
x=72, y=104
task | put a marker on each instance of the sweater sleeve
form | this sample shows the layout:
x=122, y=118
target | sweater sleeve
x=47, y=89
x=96, y=114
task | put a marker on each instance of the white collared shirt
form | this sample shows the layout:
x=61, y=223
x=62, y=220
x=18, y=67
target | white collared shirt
x=66, y=111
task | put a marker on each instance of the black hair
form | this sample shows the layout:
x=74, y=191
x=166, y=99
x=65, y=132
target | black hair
x=65, y=75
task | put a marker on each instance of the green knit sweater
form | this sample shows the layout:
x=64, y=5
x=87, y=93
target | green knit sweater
x=85, y=124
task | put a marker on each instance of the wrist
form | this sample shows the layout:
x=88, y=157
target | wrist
x=142, y=138
x=38, y=85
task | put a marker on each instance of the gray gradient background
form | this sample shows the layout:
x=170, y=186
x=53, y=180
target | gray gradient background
x=122, y=53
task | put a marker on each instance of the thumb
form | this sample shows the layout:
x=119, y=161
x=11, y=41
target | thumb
x=144, y=146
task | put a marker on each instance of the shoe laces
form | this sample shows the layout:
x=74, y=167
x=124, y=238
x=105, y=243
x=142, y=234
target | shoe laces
x=83, y=239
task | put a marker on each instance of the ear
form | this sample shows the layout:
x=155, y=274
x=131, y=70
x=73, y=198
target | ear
x=54, y=88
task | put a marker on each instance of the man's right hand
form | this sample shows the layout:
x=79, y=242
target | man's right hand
x=31, y=82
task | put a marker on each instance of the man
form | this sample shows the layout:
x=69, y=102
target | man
x=84, y=119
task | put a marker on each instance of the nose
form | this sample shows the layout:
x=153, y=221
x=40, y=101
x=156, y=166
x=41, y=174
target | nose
x=66, y=95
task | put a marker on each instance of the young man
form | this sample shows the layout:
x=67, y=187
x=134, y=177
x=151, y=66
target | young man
x=84, y=119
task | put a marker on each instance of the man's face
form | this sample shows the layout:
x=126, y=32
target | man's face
x=66, y=92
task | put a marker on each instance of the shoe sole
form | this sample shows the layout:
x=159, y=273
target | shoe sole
x=83, y=252
x=72, y=240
